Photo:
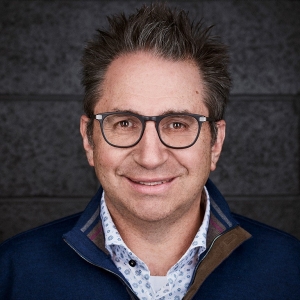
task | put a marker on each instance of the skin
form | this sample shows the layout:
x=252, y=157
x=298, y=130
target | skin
x=153, y=192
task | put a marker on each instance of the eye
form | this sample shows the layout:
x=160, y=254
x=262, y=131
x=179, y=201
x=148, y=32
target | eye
x=125, y=123
x=176, y=125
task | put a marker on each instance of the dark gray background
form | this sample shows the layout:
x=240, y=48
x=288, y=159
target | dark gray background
x=44, y=173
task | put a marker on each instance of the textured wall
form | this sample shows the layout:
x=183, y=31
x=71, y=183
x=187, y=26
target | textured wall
x=44, y=173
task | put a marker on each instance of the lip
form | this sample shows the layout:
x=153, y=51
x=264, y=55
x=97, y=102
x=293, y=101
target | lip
x=151, y=182
x=150, y=186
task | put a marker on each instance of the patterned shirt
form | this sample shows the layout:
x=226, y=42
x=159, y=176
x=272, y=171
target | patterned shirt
x=172, y=286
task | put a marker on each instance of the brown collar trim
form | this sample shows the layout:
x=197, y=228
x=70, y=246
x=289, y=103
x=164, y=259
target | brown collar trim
x=219, y=250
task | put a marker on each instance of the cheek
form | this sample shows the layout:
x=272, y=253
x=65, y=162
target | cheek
x=198, y=160
x=107, y=160
x=201, y=163
x=102, y=157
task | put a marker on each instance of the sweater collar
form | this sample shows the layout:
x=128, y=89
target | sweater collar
x=88, y=235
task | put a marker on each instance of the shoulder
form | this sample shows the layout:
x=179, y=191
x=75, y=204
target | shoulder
x=27, y=258
x=39, y=264
x=270, y=248
x=266, y=234
x=26, y=243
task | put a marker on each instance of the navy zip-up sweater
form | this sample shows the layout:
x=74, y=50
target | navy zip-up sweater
x=244, y=260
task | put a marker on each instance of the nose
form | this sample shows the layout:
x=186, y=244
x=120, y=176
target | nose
x=150, y=153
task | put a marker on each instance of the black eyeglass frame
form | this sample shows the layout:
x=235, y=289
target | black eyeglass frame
x=157, y=119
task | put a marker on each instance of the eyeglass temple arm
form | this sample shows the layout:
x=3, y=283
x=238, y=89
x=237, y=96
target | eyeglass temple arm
x=206, y=119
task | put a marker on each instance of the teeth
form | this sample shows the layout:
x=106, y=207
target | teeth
x=152, y=183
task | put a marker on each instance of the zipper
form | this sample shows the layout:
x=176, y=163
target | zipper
x=133, y=296
x=209, y=249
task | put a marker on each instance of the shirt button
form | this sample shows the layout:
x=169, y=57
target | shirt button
x=132, y=263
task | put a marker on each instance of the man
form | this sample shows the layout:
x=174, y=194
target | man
x=156, y=86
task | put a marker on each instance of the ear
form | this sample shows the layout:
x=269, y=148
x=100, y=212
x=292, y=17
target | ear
x=89, y=149
x=217, y=146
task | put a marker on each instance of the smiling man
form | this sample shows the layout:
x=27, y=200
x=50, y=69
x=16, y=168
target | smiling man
x=156, y=86
x=153, y=174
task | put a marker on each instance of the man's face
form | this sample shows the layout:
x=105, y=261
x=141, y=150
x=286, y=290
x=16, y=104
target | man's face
x=150, y=182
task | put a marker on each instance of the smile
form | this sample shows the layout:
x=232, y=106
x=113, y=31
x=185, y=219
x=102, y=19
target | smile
x=153, y=183
x=151, y=186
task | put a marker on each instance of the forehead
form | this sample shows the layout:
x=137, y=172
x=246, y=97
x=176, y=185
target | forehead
x=151, y=85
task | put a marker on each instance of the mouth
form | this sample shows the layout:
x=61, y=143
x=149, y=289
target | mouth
x=152, y=183
x=150, y=186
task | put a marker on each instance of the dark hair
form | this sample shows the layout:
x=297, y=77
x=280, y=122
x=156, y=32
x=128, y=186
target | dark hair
x=167, y=33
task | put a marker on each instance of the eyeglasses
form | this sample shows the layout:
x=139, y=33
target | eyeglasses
x=176, y=130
